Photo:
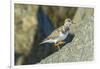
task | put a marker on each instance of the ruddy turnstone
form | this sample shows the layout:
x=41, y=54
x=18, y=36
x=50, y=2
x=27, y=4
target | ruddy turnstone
x=59, y=34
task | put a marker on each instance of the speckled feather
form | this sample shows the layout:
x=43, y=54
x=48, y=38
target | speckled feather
x=59, y=33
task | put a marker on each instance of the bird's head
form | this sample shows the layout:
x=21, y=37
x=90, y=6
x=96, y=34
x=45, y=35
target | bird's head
x=68, y=22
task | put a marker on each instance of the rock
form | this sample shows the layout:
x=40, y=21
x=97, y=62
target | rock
x=25, y=26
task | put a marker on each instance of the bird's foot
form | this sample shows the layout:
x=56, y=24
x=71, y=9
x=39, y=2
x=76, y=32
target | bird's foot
x=61, y=42
x=56, y=45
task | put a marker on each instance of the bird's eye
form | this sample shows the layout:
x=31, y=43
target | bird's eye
x=69, y=21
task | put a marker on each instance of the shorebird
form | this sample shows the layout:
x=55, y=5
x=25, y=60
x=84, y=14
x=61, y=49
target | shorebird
x=58, y=35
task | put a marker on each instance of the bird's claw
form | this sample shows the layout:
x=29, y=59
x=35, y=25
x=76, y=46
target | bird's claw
x=56, y=45
x=61, y=42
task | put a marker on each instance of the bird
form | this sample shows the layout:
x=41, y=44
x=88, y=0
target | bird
x=58, y=35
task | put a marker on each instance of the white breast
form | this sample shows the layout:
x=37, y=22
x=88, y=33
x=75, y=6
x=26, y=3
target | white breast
x=62, y=36
x=59, y=38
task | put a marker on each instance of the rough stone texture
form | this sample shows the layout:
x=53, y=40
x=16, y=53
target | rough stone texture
x=81, y=48
x=25, y=26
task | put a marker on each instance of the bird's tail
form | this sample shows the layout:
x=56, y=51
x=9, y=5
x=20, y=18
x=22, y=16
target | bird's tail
x=43, y=42
x=47, y=41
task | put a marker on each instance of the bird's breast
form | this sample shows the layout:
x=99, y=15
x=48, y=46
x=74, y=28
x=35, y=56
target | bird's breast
x=62, y=36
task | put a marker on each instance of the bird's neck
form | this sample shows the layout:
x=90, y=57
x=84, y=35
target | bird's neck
x=65, y=29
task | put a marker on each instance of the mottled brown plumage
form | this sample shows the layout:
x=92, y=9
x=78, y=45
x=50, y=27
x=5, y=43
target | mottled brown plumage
x=59, y=34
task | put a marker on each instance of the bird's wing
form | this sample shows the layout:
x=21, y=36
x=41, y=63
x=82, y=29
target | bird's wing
x=54, y=34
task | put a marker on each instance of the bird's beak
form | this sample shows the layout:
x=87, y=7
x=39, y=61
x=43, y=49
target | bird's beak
x=73, y=23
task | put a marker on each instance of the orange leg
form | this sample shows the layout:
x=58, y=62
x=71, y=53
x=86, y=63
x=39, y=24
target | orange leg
x=56, y=45
x=61, y=42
